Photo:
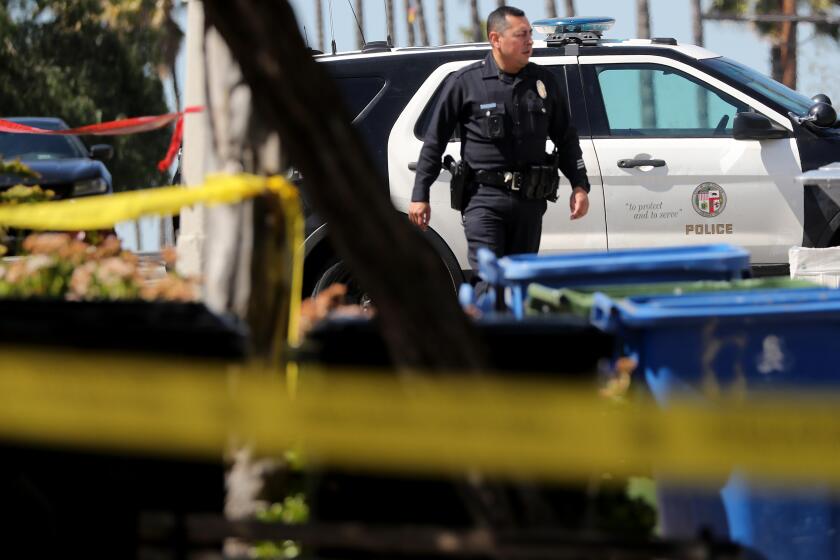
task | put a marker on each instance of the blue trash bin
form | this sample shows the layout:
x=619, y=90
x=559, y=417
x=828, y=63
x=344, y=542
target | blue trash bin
x=631, y=266
x=763, y=341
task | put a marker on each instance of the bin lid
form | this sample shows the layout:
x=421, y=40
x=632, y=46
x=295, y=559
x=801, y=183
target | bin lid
x=718, y=258
x=658, y=310
x=825, y=176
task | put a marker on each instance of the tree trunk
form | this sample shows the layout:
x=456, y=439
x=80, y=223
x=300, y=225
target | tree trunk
x=787, y=54
x=697, y=22
x=409, y=22
x=570, y=8
x=646, y=93
x=421, y=320
x=319, y=24
x=475, y=22
x=441, y=12
x=359, y=24
x=642, y=19
x=389, y=21
x=697, y=36
x=550, y=9
x=421, y=23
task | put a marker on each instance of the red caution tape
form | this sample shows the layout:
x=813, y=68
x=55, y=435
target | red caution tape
x=110, y=128
x=117, y=128
x=174, y=144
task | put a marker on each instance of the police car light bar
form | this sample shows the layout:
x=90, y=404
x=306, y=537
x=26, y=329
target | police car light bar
x=573, y=29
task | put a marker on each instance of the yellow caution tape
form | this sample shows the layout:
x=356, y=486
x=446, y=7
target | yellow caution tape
x=526, y=428
x=101, y=212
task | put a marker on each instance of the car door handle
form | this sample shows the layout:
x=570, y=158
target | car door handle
x=412, y=166
x=628, y=163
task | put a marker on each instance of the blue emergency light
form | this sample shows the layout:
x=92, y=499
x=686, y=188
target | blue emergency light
x=573, y=29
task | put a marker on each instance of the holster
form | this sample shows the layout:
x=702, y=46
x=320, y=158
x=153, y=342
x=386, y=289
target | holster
x=460, y=172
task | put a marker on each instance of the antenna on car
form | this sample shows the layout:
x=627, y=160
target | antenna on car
x=305, y=37
x=332, y=29
x=359, y=25
x=387, y=34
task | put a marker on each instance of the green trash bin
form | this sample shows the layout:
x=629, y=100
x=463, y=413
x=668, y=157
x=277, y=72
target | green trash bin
x=578, y=301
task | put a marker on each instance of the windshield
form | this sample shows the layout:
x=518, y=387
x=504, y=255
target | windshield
x=791, y=100
x=38, y=147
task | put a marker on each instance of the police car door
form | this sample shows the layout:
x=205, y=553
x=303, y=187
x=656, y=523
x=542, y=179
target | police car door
x=673, y=173
x=405, y=142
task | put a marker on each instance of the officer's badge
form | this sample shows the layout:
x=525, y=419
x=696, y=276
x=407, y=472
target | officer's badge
x=541, y=89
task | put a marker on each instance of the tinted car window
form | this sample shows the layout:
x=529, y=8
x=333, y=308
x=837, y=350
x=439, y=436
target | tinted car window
x=426, y=116
x=38, y=147
x=359, y=92
x=657, y=101
x=791, y=100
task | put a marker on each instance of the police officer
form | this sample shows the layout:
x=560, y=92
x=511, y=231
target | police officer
x=505, y=107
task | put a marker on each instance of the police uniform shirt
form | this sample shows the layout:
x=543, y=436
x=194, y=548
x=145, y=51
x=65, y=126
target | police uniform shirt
x=480, y=97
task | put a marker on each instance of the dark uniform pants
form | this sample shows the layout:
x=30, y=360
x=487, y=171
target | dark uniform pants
x=502, y=221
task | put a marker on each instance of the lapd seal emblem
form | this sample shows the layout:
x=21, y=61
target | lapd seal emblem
x=709, y=200
x=541, y=89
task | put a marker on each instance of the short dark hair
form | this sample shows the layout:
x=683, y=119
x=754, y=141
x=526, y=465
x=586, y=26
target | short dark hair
x=496, y=20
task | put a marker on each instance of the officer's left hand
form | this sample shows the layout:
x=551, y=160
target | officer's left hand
x=578, y=203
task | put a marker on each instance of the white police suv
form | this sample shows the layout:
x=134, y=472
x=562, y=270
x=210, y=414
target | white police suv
x=682, y=146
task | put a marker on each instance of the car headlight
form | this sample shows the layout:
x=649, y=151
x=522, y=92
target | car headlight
x=91, y=186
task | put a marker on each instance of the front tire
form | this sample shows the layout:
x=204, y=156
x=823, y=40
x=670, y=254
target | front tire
x=338, y=273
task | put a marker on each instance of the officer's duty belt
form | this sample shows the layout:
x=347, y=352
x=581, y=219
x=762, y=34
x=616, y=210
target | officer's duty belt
x=508, y=180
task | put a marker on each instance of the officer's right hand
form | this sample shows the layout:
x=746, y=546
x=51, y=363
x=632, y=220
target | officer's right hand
x=420, y=213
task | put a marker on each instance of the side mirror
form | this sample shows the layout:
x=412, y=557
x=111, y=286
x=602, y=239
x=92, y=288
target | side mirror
x=102, y=152
x=821, y=98
x=755, y=126
x=822, y=114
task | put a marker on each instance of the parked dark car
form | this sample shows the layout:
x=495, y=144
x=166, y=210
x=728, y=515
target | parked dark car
x=64, y=163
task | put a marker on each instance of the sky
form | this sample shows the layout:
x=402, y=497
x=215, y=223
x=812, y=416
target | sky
x=669, y=18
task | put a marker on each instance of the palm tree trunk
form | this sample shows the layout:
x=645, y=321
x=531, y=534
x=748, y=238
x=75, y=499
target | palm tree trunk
x=646, y=93
x=570, y=8
x=475, y=22
x=360, y=25
x=389, y=21
x=642, y=19
x=697, y=33
x=421, y=24
x=319, y=24
x=787, y=54
x=409, y=21
x=550, y=9
x=697, y=22
x=441, y=12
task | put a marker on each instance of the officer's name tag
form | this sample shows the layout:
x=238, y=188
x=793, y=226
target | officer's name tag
x=488, y=106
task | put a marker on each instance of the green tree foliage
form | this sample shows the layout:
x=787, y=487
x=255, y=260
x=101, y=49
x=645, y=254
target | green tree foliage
x=88, y=61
